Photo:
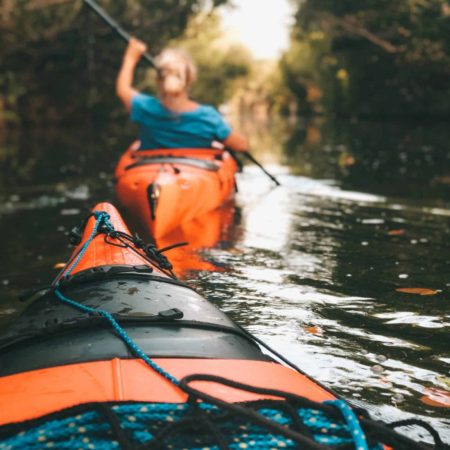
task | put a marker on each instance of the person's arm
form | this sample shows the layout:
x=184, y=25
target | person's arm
x=226, y=135
x=124, y=82
x=236, y=141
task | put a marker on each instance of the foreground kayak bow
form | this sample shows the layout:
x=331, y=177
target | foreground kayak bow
x=121, y=354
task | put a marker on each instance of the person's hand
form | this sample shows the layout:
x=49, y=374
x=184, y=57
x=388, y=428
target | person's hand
x=135, y=49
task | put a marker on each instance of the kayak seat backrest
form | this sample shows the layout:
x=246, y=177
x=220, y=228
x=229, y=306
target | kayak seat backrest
x=192, y=162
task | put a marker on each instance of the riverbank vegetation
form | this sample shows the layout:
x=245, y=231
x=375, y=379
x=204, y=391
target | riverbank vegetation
x=370, y=58
x=58, y=60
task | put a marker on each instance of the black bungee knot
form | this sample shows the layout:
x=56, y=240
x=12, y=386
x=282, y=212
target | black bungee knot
x=74, y=236
x=152, y=252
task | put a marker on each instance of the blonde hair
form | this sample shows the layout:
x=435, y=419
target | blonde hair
x=176, y=70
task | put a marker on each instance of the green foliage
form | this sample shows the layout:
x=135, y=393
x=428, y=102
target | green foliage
x=221, y=64
x=61, y=60
x=371, y=57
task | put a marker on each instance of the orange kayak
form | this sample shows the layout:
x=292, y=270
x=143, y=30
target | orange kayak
x=118, y=353
x=163, y=189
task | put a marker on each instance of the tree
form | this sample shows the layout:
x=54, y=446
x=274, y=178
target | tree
x=222, y=65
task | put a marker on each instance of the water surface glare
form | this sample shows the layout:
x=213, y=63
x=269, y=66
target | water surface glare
x=314, y=273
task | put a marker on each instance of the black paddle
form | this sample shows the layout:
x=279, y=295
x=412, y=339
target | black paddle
x=116, y=27
x=254, y=161
x=126, y=37
x=249, y=156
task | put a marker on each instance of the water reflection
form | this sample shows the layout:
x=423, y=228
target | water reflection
x=214, y=229
x=316, y=278
x=311, y=267
x=399, y=159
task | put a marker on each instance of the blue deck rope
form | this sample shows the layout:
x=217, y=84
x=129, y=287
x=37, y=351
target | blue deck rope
x=352, y=423
x=102, y=218
x=142, y=422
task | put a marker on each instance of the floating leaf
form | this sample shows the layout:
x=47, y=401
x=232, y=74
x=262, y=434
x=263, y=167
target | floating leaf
x=385, y=382
x=419, y=291
x=398, y=232
x=314, y=330
x=235, y=251
x=442, y=180
x=342, y=75
x=346, y=160
x=436, y=397
x=59, y=265
x=377, y=369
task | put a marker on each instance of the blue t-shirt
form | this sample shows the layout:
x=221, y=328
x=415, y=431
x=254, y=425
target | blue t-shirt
x=161, y=128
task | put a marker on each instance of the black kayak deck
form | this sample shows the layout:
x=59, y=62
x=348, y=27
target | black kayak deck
x=165, y=318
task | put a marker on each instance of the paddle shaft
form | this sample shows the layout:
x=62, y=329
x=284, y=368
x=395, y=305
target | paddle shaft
x=254, y=161
x=116, y=27
x=234, y=153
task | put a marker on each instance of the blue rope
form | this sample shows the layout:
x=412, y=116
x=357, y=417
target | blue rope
x=102, y=218
x=142, y=423
x=352, y=422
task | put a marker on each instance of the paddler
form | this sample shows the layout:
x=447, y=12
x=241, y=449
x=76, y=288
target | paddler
x=172, y=120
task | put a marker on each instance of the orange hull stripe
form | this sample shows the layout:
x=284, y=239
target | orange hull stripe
x=35, y=393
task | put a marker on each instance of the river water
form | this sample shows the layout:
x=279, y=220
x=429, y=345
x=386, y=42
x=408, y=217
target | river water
x=312, y=267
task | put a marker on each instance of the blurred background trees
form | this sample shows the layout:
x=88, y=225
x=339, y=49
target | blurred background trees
x=370, y=57
x=223, y=65
x=373, y=58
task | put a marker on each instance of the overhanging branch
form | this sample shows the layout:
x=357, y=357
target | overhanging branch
x=351, y=25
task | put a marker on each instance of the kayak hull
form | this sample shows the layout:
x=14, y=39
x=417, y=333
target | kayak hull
x=163, y=189
x=55, y=356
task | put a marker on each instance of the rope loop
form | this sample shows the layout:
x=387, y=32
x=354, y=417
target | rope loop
x=103, y=221
x=439, y=444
